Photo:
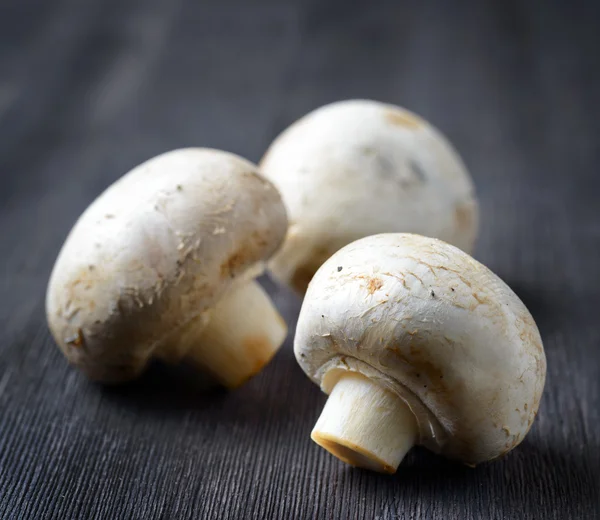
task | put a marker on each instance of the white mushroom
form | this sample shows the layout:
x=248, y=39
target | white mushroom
x=355, y=168
x=162, y=264
x=417, y=343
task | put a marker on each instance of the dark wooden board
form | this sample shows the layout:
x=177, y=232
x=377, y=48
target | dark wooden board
x=90, y=88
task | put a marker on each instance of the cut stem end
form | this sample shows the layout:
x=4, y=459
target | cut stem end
x=365, y=425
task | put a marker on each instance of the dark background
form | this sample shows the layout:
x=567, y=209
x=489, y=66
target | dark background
x=90, y=88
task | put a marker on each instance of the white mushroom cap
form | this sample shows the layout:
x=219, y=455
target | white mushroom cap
x=146, y=265
x=355, y=168
x=429, y=330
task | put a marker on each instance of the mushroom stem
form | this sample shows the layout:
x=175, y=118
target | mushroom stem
x=243, y=333
x=365, y=425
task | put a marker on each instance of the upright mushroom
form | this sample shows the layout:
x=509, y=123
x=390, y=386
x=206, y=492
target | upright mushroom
x=355, y=168
x=162, y=264
x=417, y=343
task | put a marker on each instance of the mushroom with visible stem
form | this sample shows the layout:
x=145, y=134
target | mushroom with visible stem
x=356, y=168
x=417, y=343
x=162, y=265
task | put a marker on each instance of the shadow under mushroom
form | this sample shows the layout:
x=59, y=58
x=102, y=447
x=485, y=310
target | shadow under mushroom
x=518, y=486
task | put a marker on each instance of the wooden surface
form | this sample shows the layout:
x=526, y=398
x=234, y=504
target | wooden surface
x=90, y=88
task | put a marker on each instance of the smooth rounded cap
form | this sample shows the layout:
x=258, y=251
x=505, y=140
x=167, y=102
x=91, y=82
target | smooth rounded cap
x=426, y=321
x=356, y=168
x=157, y=249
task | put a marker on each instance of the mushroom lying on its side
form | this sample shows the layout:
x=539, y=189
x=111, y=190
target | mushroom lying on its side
x=162, y=264
x=417, y=343
x=356, y=168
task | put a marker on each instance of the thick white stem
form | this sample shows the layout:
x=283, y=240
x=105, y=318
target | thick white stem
x=366, y=425
x=243, y=333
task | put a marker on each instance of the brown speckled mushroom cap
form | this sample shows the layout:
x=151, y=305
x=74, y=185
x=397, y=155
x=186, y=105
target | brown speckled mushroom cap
x=157, y=249
x=435, y=327
x=356, y=168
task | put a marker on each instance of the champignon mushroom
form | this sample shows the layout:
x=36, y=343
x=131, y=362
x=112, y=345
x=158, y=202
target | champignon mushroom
x=417, y=343
x=355, y=168
x=162, y=265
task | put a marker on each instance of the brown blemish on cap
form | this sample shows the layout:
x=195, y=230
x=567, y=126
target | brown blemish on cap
x=76, y=340
x=242, y=257
x=233, y=263
x=403, y=118
x=251, y=251
x=260, y=240
x=463, y=216
x=83, y=279
x=374, y=284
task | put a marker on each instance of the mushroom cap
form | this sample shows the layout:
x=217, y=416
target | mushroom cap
x=157, y=249
x=436, y=327
x=355, y=168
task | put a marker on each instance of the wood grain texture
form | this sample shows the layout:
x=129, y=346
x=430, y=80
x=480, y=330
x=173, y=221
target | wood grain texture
x=89, y=88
